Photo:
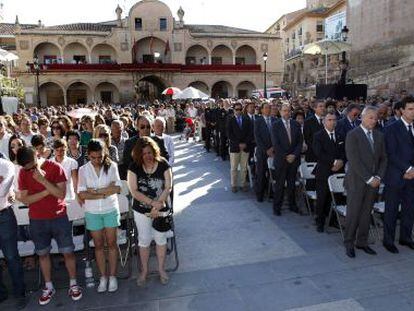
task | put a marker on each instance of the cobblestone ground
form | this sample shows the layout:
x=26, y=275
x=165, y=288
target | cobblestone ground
x=235, y=255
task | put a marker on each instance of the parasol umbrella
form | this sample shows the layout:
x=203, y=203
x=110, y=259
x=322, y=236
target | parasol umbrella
x=80, y=112
x=6, y=56
x=171, y=91
x=191, y=93
x=326, y=47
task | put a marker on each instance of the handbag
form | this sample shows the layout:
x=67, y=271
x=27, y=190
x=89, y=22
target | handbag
x=163, y=223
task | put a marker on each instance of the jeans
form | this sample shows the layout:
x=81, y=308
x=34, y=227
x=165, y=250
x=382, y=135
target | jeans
x=8, y=245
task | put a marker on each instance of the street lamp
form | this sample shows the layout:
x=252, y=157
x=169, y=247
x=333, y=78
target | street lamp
x=34, y=68
x=344, y=33
x=265, y=74
x=156, y=56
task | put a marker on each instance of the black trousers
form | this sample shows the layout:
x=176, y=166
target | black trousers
x=393, y=198
x=208, y=134
x=223, y=145
x=285, y=174
x=323, y=200
x=261, y=180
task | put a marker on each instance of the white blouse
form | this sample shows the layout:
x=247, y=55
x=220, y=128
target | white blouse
x=89, y=179
x=68, y=165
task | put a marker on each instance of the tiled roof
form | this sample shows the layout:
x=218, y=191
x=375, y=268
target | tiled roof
x=96, y=27
x=218, y=29
x=7, y=29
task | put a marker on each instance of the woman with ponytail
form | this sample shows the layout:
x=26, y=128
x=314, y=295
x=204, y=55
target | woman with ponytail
x=98, y=185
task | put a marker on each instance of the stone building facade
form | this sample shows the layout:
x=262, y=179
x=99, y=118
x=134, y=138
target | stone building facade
x=299, y=28
x=382, y=37
x=137, y=56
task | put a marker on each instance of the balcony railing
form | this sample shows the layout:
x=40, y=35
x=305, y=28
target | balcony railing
x=148, y=67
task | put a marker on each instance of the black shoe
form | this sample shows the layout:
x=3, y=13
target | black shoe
x=367, y=250
x=409, y=244
x=259, y=199
x=277, y=212
x=350, y=252
x=320, y=228
x=21, y=303
x=3, y=298
x=391, y=248
x=294, y=209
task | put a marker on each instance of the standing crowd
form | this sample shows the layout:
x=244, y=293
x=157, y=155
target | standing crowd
x=50, y=160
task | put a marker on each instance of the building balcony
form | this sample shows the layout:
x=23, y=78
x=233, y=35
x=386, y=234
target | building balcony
x=148, y=67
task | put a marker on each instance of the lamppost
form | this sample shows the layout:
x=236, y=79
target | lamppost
x=34, y=68
x=344, y=62
x=265, y=74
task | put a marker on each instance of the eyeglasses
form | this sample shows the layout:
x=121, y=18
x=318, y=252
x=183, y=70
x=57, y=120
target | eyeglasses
x=103, y=135
x=55, y=127
x=238, y=109
x=142, y=127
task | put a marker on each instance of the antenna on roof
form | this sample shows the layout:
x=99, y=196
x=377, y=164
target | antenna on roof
x=1, y=11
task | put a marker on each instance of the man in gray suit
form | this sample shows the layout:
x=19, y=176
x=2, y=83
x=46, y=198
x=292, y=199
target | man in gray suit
x=367, y=162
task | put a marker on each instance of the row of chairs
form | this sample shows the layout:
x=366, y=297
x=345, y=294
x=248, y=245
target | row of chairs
x=336, y=187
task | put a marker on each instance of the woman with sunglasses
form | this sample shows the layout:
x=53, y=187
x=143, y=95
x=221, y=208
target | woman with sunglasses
x=57, y=130
x=99, y=183
x=103, y=132
x=87, y=125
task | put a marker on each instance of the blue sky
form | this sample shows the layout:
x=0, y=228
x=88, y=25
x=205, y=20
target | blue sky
x=256, y=14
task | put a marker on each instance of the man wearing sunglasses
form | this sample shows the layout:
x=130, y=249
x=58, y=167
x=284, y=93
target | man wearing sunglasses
x=143, y=126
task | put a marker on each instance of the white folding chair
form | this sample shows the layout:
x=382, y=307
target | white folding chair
x=336, y=186
x=305, y=173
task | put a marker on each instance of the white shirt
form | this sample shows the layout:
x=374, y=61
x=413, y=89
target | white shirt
x=89, y=179
x=192, y=112
x=169, y=145
x=4, y=144
x=170, y=113
x=27, y=138
x=68, y=165
x=6, y=186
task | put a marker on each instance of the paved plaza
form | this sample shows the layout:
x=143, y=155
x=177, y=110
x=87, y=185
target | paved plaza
x=235, y=255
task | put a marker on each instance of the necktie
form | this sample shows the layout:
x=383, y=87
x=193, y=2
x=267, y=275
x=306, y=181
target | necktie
x=288, y=131
x=332, y=137
x=370, y=139
x=353, y=124
x=239, y=121
x=410, y=132
x=320, y=121
x=269, y=125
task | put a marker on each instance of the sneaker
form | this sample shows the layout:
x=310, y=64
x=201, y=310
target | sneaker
x=113, y=284
x=46, y=297
x=75, y=292
x=103, y=284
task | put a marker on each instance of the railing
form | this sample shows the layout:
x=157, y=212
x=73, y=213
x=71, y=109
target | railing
x=148, y=67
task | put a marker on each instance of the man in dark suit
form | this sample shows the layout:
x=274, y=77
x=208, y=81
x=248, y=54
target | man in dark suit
x=367, y=162
x=312, y=125
x=143, y=127
x=399, y=178
x=397, y=113
x=209, y=116
x=240, y=134
x=264, y=148
x=329, y=149
x=350, y=121
x=382, y=117
x=222, y=116
x=287, y=140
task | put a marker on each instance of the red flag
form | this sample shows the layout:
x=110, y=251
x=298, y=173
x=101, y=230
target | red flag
x=134, y=52
x=167, y=48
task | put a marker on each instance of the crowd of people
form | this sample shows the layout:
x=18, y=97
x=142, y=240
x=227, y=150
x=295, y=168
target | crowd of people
x=49, y=159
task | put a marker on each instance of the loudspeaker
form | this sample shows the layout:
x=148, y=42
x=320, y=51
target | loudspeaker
x=338, y=92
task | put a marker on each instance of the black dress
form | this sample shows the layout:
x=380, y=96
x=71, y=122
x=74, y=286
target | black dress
x=151, y=185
